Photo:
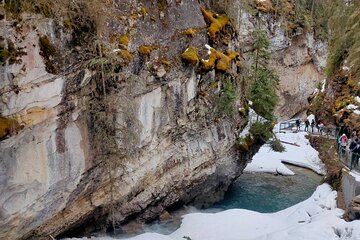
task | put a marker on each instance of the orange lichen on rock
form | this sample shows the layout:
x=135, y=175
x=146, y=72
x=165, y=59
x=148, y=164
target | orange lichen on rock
x=190, y=56
x=342, y=102
x=34, y=115
x=219, y=60
x=264, y=5
x=146, y=49
x=190, y=32
x=216, y=22
x=125, y=55
x=7, y=126
x=210, y=63
x=225, y=60
x=124, y=40
x=166, y=63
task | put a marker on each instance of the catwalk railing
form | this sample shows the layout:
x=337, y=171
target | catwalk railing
x=348, y=158
x=344, y=153
x=290, y=125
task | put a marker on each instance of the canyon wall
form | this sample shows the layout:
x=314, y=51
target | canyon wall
x=82, y=152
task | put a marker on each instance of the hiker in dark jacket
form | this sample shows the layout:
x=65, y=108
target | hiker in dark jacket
x=355, y=151
x=312, y=125
x=297, y=122
x=307, y=123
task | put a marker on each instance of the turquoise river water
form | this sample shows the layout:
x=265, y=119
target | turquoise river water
x=259, y=192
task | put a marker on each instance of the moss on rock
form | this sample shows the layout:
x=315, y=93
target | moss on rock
x=4, y=54
x=209, y=64
x=190, y=32
x=124, y=40
x=264, y=5
x=146, y=49
x=190, y=56
x=216, y=22
x=10, y=54
x=7, y=126
x=125, y=55
x=218, y=60
x=48, y=51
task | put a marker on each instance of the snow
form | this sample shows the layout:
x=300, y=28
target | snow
x=311, y=117
x=303, y=155
x=208, y=48
x=253, y=117
x=351, y=107
x=355, y=175
x=315, y=218
x=345, y=68
x=357, y=99
x=323, y=85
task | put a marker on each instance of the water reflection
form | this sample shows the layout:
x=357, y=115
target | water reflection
x=261, y=192
x=266, y=193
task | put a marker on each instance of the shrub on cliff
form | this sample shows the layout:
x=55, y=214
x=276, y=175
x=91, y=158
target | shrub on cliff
x=276, y=146
x=261, y=131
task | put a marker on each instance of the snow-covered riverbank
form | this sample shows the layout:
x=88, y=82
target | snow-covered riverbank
x=315, y=218
x=300, y=154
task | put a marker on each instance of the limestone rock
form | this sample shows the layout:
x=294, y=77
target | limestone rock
x=165, y=146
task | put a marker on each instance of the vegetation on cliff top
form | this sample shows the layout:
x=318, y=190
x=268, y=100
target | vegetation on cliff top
x=343, y=64
x=345, y=37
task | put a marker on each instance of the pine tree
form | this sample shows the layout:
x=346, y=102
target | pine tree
x=262, y=90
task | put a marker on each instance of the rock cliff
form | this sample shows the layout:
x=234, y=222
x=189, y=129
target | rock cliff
x=299, y=57
x=110, y=119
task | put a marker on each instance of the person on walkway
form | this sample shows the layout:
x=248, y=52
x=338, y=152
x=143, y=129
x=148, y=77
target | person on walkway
x=307, y=123
x=312, y=125
x=353, y=142
x=338, y=144
x=343, y=143
x=320, y=127
x=297, y=124
x=353, y=134
x=355, y=151
x=347, y=131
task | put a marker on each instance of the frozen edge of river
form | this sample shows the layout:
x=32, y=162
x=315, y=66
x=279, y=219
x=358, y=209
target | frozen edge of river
x=315, y=218
x=302, y=154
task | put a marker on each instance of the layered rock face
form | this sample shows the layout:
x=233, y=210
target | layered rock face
x=170, y=146
x=300, y=66
x=298, y=59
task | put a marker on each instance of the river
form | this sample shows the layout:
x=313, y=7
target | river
x=261, y=192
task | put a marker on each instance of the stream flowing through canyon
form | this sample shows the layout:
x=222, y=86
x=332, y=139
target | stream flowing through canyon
x=260, y=192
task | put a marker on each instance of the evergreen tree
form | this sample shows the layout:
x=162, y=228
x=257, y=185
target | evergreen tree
x=226, y=103
x=262, y=90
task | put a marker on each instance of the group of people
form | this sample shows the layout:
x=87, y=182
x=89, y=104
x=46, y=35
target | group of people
x=319, y=125
x=354, y=147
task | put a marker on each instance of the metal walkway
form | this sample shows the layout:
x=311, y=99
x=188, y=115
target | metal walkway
x=344, y=154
